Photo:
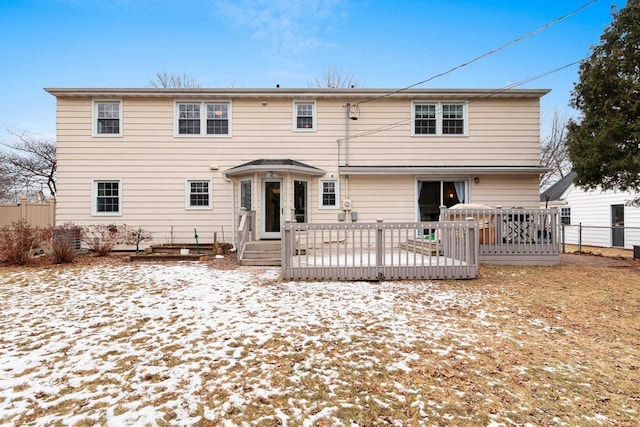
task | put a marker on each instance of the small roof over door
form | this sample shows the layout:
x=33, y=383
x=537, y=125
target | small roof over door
x=274, y=165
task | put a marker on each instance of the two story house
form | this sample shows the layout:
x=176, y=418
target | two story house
x=174, y=160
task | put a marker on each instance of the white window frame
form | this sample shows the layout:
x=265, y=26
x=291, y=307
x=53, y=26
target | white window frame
x=439, y=118
x=250, y=181
x=203, y=119
x=321, y=205
x=94, y=118
x=563, y=214
x=94, y=196
x=313, y=116
x=187, y=194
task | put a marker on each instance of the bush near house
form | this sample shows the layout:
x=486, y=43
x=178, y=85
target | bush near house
x=20, y=240
x=102, y=238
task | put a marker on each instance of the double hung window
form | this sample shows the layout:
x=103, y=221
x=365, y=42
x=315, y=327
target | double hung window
x=198, y=194
x=565, y=216
x=108, y=116
x=107, y=197
x=203, y=118
x=439, y=118
x=329, y=193
x=305, y=116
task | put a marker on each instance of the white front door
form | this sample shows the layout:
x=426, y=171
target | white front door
x=271, y=209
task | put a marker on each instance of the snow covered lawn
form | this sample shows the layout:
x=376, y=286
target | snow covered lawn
x=184, y=344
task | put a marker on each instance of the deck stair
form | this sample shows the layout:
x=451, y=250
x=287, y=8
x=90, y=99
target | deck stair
x=424, y=248
x=262, y=252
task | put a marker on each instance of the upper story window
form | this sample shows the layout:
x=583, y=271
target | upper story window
x=305, y=116
x=108, y=118
x=329, y=193
x=189, y=119
x=425, y=119
x=217, y=119
x=107, y=197
x=203, y=118
x=439, y=118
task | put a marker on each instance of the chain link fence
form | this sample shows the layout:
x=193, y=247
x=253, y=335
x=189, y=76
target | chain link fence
x=600, y=236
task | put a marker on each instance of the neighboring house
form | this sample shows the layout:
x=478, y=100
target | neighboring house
x=174, y=160
x=605, y=217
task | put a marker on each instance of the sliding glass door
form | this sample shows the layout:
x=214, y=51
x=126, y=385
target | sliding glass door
x=433, y=194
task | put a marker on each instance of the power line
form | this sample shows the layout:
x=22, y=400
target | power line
x=484, y=55
x=484, y=95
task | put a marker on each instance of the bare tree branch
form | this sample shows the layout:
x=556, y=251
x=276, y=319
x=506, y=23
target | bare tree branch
x=333, y=77
x=165, y=80
x=554, y=153
x=27, y=166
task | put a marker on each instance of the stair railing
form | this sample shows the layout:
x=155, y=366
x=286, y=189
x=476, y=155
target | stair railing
x=245, y=231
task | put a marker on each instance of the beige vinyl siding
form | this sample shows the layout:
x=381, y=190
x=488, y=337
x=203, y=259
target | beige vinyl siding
x=507, y=191
x=153, y=164
x=391, y=198
x=500, y=132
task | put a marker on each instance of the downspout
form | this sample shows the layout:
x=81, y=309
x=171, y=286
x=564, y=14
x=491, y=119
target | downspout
x=233, y=210
x=346, y=154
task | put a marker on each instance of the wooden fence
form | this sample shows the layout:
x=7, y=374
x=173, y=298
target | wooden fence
x=36, y=214
x=514, y=236
x=380, y=251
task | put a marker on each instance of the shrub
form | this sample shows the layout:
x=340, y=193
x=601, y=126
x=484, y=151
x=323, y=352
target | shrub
x=135, y=237
x=64, y=242
x=102, y=238
x=19, y=241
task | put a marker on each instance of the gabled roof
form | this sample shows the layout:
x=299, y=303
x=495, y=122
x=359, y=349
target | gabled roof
x=274, y=165
x=557, y=190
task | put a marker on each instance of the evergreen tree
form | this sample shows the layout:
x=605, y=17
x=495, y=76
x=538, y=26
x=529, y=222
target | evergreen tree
x=604, y=146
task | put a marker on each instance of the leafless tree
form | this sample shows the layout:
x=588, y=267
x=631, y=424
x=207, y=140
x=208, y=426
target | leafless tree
x=6, y=195
x=333, y=77
x=28, y=166
x=165, y=80
x=554, y=153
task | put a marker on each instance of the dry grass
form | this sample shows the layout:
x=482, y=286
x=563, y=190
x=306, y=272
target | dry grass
x=539, y=345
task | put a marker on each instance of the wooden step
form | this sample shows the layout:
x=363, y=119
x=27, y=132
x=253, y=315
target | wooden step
x=262, y=252
x=263, y=261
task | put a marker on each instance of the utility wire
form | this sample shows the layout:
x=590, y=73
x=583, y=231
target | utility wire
x=484, y=95
x=491, y=52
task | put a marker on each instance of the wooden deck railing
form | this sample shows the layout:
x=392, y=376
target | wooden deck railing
x=513, y=236
x=380, y=251
x=246, y=230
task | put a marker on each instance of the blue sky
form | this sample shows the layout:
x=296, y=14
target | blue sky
x=240, y=43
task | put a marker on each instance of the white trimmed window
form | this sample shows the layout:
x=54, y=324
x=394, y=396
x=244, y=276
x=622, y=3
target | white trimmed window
x=107, y=118
x=305, y=116
x=439, y=118
x=203, y=118
x=107, y=197
x=565, y=216
x=245, y=194
x=329, y=193
x=198, y=194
